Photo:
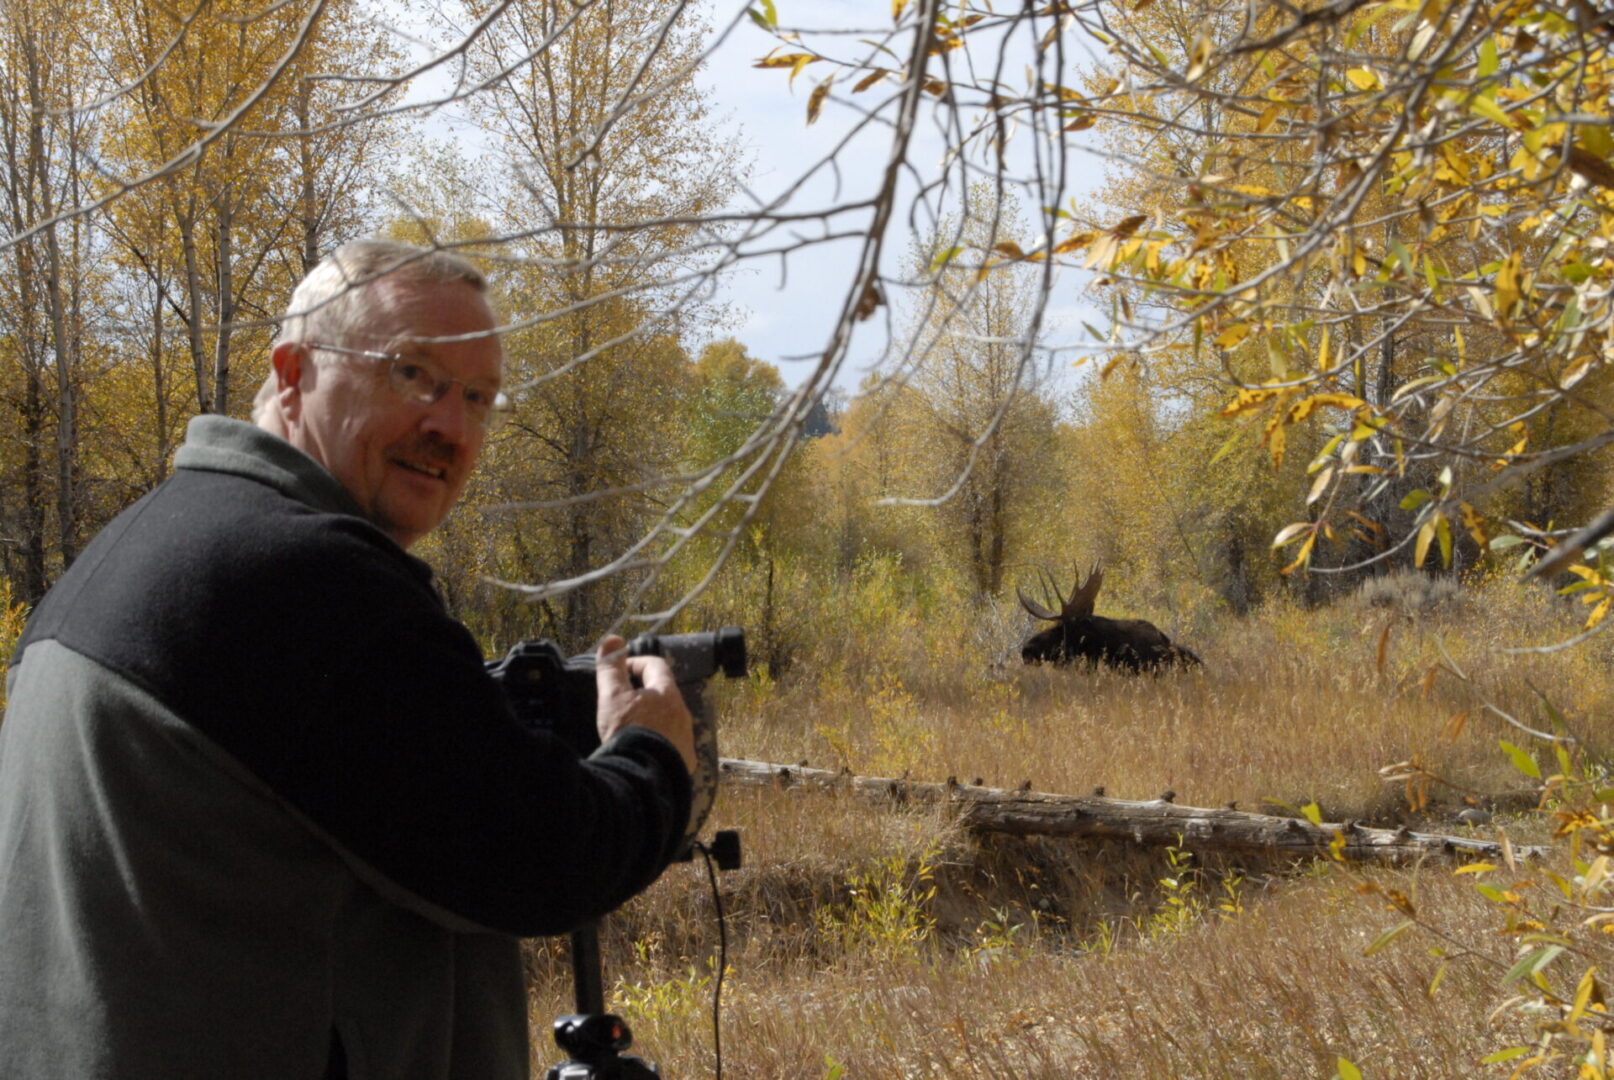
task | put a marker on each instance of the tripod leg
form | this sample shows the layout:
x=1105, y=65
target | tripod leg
x=587, y=986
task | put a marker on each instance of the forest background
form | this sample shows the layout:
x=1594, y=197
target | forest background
x=1344, y=378
x=1348, y=371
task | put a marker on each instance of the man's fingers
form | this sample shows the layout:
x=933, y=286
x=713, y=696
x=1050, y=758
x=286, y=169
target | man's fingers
x=655, y=702
x=611, y=666
x=654, y=673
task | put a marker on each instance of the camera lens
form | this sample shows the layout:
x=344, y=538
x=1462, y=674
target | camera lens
x=728, y=649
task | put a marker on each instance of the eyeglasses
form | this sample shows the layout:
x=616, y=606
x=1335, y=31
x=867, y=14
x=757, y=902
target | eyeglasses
x=418, y=379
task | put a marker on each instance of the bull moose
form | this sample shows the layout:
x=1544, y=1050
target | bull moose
x=1077, y=634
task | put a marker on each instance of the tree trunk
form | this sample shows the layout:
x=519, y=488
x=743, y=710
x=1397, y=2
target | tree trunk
x=305, y=162
x=64, y=347
x=159, y=463
x=193, y=316
x=34, y=578
x=226, y=305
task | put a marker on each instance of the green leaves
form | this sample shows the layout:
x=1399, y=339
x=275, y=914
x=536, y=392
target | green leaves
x=1522, y=760
x=1388, y=936
x=1532, y=963
x=767, y=16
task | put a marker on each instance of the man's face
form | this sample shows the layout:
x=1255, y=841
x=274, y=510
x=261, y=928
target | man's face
x=405, y=461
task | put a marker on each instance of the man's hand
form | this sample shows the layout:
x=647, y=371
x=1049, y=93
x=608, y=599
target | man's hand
x=655, y=703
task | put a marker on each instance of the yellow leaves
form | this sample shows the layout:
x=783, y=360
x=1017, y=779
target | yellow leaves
x=1436, y=527
x=1128, y=226
x=784, y=60
x=1571, y=822
x=1200, y=56
x=1485, y=107
x=794, y=61
x=1284, y=413
x=1151, y=258
x=1363, y=79
x=1508, y=285
x=1582, y=367
x=1074, y=242
x=869, y=80
x=1306, y=406
x=1454, y=168
x=1106, y=248
x=1274, y=436
x=815, y=101
x=1414, y=777
x=1234, y=334
x=1320, y=485
x=1290, y=533
x=1595, y=589
x=1520, y=429
x=1474, y=523
x=1597, y=876
x=1595, y=140
x=950, y=34
x=1589, y=999
x=1251, y=398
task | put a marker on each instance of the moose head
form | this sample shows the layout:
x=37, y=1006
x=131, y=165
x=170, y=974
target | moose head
x=1078, y=634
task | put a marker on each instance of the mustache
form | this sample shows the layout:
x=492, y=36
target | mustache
x=429, y=449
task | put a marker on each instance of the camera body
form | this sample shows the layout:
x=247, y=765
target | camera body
x=552, y=692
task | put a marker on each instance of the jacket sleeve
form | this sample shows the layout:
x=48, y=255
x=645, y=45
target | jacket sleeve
x=404, y=750
x=358, y=700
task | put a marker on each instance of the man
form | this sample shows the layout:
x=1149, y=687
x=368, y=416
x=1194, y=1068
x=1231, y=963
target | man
x=262, y=811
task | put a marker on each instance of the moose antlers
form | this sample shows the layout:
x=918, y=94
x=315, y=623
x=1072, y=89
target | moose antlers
x=1080, y=603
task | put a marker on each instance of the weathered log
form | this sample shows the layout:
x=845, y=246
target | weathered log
x=1160, y=821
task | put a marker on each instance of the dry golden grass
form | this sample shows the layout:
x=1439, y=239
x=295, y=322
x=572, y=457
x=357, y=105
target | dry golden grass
x=884, y=943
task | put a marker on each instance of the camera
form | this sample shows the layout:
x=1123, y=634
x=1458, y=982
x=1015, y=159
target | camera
x=549, y=691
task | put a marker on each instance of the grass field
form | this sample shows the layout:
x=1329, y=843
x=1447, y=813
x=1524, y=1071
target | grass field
x=884, y=942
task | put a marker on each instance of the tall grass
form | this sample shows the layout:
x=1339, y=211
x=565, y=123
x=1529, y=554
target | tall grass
x=13, y=616
x=882, y=941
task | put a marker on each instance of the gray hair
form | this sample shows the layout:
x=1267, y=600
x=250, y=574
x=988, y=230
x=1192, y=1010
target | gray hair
x=330, y=303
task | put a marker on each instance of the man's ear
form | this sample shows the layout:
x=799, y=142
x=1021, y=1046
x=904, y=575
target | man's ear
x=293, y=368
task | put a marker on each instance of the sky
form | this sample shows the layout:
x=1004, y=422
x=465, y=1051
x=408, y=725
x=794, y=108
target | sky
x=780, y=320
x=784, y=309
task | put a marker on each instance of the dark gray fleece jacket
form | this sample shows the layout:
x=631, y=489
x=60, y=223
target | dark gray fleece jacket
x=264, y=814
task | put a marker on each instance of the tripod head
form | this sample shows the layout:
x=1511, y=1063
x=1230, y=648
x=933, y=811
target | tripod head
x=595, y=1042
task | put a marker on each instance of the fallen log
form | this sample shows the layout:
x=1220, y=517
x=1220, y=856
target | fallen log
x=1153, y=822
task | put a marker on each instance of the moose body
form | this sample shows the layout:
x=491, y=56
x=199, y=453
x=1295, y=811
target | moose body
x=1077, y=634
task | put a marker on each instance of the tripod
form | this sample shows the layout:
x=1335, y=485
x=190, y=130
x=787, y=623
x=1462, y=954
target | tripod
x=594, y=1039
